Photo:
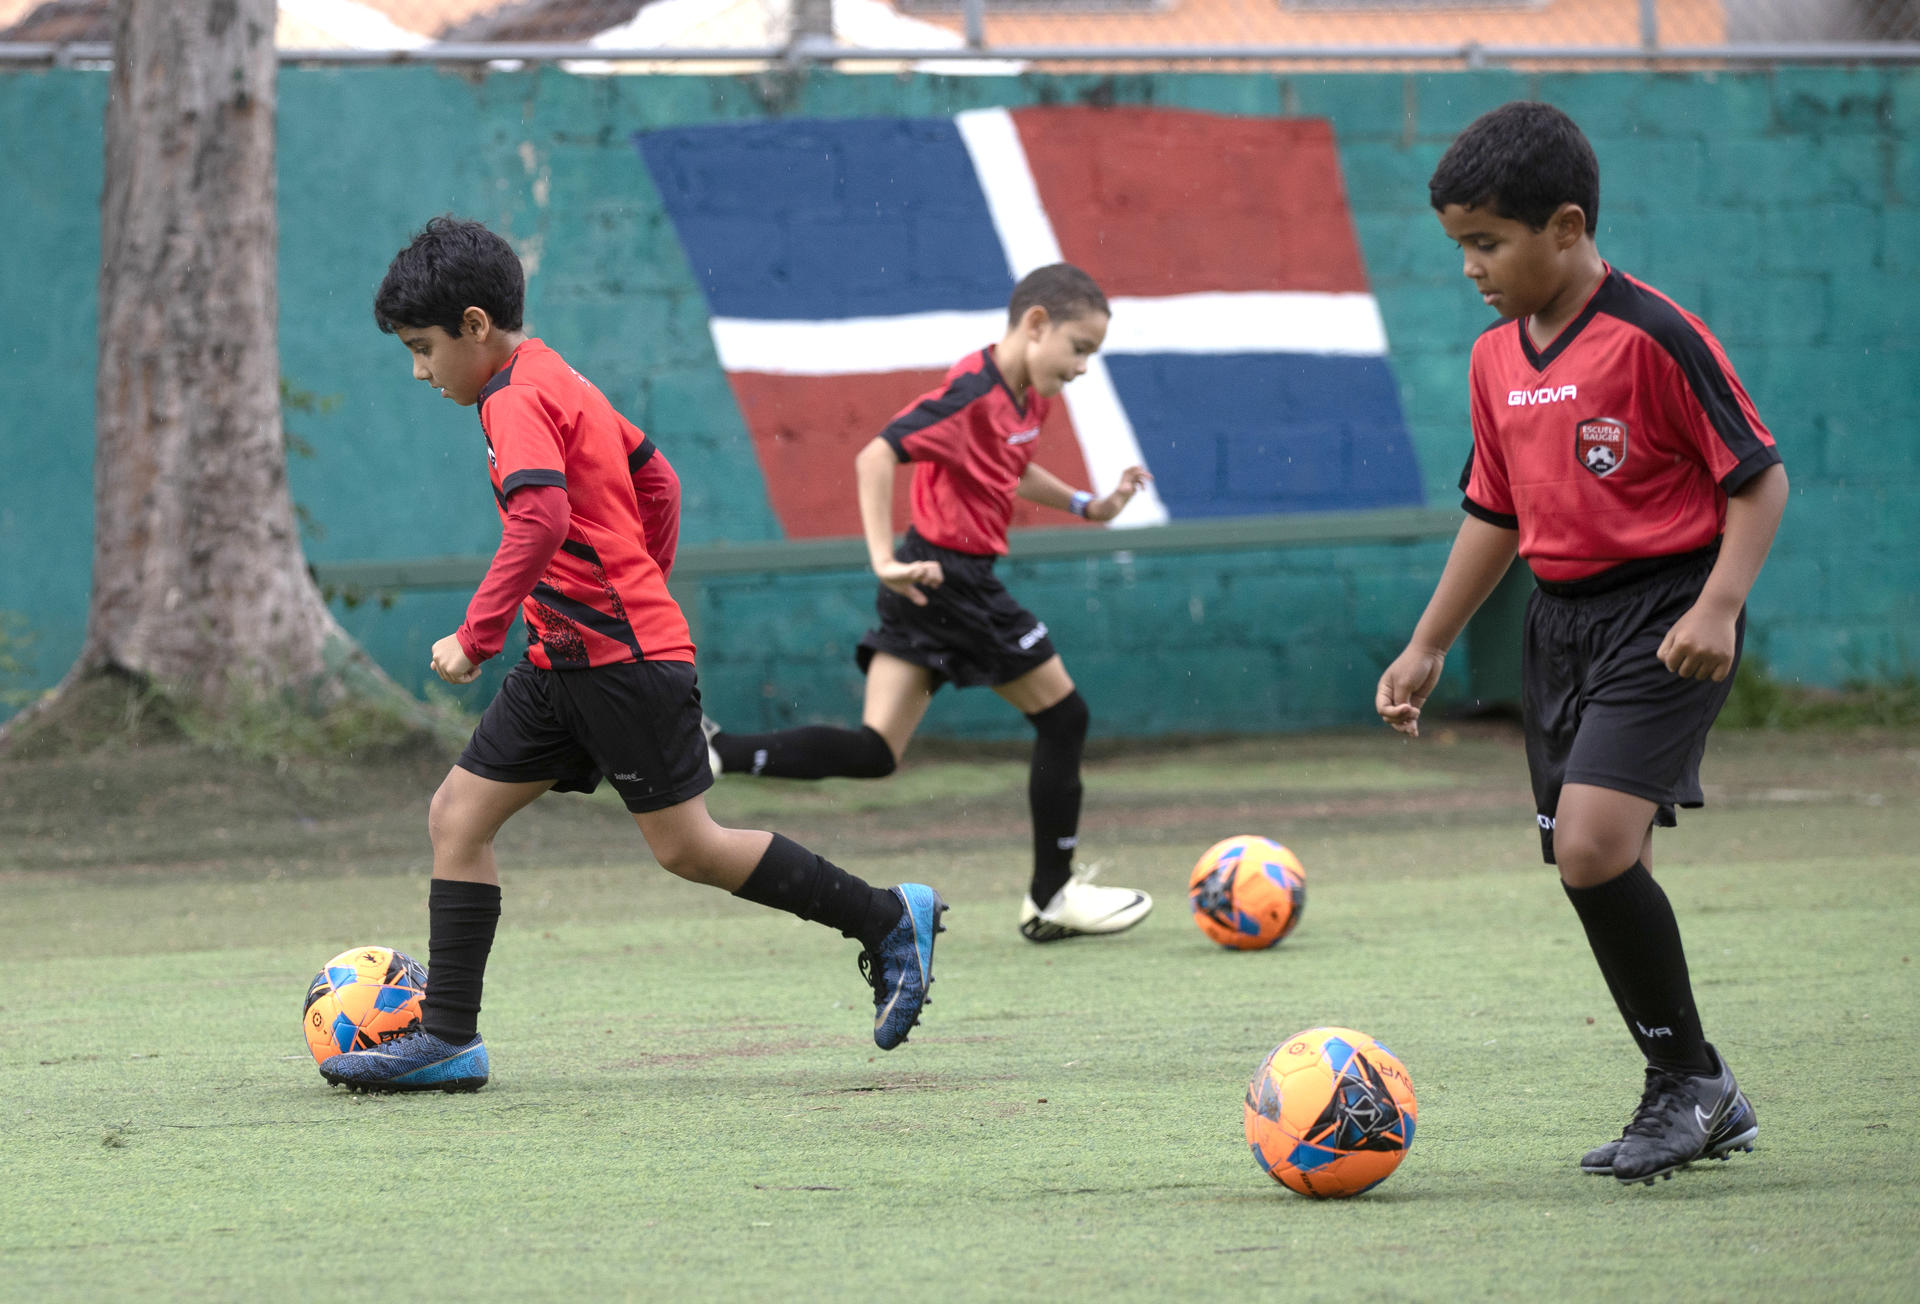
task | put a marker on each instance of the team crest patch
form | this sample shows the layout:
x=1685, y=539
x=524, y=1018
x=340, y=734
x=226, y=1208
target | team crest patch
x=1601, y=444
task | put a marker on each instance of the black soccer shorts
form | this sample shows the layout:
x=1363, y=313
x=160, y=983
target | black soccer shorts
x=636, y=724
x=1597, y=705
x=970, y=632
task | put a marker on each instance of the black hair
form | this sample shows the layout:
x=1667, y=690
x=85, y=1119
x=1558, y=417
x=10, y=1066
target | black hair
x=1062, y=289
x=1522, y=161
x=453, y=264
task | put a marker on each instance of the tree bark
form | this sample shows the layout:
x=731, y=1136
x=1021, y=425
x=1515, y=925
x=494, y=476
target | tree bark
x=201, y=592
x=199, y=582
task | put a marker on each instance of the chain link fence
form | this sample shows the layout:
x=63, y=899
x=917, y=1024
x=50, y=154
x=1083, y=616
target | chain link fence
x=1006, y=35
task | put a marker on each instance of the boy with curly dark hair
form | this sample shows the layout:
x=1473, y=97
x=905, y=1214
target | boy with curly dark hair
x=589, y=517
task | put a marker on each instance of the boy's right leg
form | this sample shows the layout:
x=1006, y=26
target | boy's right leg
x=463, y=911
x=898, y=693
x=1691, y=1108
x=895, y=927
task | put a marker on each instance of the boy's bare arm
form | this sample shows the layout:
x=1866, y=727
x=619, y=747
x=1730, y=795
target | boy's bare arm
x=1481, y=554
x=873, y=469
x=1700, y=644
x=1039, y=485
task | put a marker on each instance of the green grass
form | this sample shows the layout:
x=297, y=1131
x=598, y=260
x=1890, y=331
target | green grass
x=686, y=1103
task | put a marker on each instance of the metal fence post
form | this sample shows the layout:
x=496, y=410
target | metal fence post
x=1650, y=24
x=811, y=33
x=975, y=20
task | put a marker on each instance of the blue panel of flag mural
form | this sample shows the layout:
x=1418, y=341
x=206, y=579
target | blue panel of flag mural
x=1244, y=434
x=808, y=220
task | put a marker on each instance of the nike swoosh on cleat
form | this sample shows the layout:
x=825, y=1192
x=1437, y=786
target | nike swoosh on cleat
x=1138, y=897
x=1705, y=1121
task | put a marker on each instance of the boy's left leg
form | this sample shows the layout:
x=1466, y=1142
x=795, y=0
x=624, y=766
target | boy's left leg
x=898, y=693
x=1058, y=905
x=895, y=927
x=1691, y=1107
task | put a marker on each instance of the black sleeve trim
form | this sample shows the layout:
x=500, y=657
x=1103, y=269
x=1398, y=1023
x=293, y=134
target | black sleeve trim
x=640, y=456
x=1486, y=514
x=1711, y=383
x=930, y=412
x=522, y=479
x=1491, y=517
x=1751, y=465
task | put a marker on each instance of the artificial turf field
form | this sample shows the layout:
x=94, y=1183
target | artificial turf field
x=686, y=1103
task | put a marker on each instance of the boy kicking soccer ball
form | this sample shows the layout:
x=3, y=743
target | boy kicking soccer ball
x=945, y=616
x=607, y=688
x=1615, y=450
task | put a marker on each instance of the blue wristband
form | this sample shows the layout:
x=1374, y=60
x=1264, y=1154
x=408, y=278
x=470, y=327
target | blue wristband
x=1080, y=500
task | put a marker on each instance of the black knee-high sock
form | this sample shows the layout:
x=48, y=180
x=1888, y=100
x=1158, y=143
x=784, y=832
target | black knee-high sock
x=814, y=751
x=1635, y=938
x=461, y=918
x=793, y=879
x=1053, y=793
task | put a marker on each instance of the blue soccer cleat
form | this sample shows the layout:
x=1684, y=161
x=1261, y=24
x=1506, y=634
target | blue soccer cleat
x=901, y=969
x=419, y=1061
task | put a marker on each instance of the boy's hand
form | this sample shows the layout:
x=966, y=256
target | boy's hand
x=450, y=662
x=1132, y=480
x=1405, y=686
x=907, y=578
x=1700, y=645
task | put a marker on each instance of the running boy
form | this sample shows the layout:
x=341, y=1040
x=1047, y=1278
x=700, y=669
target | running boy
x=1615, y=450
x=607, y=687
x=945, y=616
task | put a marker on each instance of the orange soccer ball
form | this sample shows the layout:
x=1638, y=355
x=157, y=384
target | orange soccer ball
x=363, y=997
x=1247, y=893
x=1330, y=1113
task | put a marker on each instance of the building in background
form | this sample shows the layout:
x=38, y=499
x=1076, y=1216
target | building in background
x=1214, y=29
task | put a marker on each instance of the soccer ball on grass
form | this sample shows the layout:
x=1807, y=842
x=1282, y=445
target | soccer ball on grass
x=362, y=998
x=1247, y=892
x=1330, y=1113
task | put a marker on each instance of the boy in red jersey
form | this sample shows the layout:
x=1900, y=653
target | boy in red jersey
x=589, y=520
x=1616, y=451
x=945, y=616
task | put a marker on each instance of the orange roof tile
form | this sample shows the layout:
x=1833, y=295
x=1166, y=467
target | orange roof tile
x=547, y=20
x=61, y=21
x=1276, y=23
x=436, y=18
x=1181, y=22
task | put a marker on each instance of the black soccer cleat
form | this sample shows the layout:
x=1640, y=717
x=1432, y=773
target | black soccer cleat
x=1734, y=1133
x=1681, y=1118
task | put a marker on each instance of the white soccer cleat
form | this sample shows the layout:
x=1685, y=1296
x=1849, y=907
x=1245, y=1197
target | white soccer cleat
x=708, y=728
x=1083, y=909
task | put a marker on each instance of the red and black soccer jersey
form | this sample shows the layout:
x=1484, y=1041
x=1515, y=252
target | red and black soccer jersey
x=970, y=440
x=1620, y=441
x=603, y=599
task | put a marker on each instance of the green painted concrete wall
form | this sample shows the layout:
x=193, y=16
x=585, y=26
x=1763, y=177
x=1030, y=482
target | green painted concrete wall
x=1784, y=207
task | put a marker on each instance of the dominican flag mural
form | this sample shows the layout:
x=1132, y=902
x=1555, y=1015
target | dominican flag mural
x=848, y=263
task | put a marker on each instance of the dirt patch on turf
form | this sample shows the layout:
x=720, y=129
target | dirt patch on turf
x=174, y=808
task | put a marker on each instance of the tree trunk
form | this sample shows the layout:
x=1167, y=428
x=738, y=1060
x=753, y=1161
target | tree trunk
x=198, y=578
x=200, y=588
